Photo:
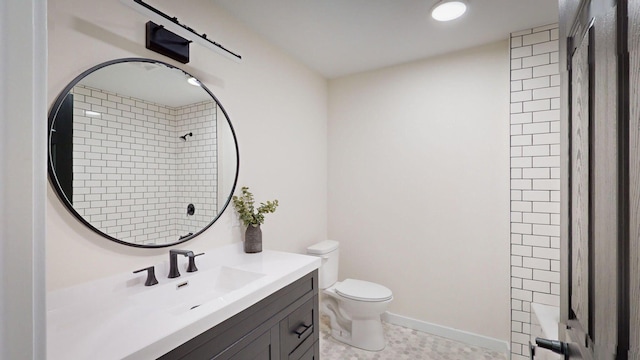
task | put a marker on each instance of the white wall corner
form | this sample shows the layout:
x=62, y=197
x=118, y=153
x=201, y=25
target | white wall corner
x=23, y=178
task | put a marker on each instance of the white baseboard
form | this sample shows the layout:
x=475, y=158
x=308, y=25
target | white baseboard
x=449, y=333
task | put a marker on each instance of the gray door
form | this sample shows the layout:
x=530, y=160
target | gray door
x=595, y=209
x=633, y=42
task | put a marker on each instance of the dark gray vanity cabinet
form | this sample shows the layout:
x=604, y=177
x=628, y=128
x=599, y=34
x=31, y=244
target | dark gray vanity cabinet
x=282, y=326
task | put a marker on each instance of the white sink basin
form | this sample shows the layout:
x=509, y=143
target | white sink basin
x=189, y=292
x=120, y=318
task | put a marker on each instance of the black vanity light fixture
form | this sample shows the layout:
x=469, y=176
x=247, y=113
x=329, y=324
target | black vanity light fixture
x=167, y=43
x=172, y=25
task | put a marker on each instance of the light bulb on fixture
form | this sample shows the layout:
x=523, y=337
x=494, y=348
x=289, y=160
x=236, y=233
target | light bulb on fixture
x=193, y=81
x=447, y=10
x=91, y=113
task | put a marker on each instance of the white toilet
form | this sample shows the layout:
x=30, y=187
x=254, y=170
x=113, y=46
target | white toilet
x=353, y=306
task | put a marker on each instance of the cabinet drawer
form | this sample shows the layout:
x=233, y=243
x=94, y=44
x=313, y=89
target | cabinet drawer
x=313, y=353
x=297, y=328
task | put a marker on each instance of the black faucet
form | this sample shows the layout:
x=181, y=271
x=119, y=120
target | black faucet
x=173, y=262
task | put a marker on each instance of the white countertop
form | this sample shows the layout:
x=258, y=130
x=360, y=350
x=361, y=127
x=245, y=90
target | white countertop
x=119, y=318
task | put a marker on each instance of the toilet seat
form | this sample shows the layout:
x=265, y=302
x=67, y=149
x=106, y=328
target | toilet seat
x=360, y=290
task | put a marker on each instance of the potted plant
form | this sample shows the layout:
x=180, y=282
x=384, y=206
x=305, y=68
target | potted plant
x=252, y=218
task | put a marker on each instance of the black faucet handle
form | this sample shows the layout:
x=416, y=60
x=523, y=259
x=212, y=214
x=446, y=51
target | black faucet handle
x=151, y=275
x=192, y=263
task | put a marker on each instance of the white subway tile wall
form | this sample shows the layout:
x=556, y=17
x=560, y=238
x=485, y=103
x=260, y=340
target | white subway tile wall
x=197, y=170
x=133, y=176
x=535, y=178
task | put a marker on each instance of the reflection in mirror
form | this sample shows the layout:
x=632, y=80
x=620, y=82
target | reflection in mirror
x=140, y=155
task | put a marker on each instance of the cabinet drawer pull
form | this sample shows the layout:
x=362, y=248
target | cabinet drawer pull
x=303, y=329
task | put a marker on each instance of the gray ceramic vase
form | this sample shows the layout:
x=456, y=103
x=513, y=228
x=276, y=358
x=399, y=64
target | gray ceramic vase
x=253, y=239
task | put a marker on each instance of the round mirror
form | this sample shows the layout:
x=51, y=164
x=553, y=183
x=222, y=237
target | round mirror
x=142, y=152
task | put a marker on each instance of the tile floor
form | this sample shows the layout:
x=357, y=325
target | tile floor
x=404, y=343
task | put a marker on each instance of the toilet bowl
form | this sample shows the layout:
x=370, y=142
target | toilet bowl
x=353, y=306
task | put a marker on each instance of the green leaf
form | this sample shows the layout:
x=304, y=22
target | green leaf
x=244, y=205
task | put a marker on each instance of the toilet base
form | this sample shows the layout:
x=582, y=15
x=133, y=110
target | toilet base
x=365, y=333
x=369, y=334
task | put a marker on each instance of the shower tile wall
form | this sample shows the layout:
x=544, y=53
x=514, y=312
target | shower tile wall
x=535, y=178
x=133, y=175
x=197, y=172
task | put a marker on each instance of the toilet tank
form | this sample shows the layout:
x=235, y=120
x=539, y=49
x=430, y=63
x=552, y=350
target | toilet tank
x=328, y=250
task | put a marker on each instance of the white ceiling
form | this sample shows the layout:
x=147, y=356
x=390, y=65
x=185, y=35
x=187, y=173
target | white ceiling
x=341, y=37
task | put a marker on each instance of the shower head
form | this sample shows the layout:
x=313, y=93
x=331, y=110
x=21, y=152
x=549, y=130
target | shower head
x=184, y=137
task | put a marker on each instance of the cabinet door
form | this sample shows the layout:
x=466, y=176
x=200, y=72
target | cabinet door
x=260, y=347
x=313, y=353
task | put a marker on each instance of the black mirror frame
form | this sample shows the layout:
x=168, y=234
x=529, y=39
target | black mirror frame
x=53, y=177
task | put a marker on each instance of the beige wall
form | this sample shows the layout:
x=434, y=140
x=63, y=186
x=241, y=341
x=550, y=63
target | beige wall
x=419, y=186
x=277, y=106
x=418, y=177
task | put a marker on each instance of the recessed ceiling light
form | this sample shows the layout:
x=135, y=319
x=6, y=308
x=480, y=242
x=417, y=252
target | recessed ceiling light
x=446, y=10
x=193, y=81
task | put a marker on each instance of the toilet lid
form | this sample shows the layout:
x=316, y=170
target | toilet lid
x=363, y=290
x=323, y=247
